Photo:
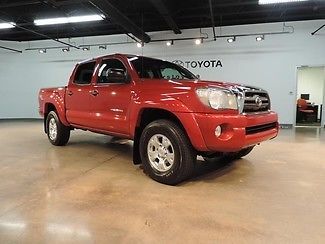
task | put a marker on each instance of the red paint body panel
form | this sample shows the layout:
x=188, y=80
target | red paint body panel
x=117, y=107
x=235, y=126
x=55, y=97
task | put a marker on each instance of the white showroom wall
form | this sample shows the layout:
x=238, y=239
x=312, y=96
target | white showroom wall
x=271, y=64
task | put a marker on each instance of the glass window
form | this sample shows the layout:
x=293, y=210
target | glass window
x=169, y=73
x=84, y=73
x=111, y=71
x=159, y=69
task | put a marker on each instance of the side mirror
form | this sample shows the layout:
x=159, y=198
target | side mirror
x=116, y=75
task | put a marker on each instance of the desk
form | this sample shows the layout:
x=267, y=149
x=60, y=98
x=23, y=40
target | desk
x=313, y=117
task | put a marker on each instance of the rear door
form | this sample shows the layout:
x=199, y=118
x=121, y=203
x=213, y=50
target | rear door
x=78, y=110
x=110, y=100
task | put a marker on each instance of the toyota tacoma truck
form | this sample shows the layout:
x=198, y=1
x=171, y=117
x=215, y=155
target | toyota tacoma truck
x=170, y=114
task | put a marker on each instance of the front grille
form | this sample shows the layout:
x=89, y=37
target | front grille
x=256, y=101
x=260, y=128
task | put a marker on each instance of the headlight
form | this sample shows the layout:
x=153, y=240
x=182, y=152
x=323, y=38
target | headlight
x=217, y=98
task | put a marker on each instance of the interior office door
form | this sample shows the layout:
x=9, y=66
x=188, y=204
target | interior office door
x=310, y=87
x=323, y=106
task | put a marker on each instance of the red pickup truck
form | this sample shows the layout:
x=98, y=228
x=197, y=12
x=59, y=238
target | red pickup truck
x=169, y=114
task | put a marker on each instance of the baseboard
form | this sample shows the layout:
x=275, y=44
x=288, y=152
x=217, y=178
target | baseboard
x=286, y=126
x=282, y=126
x=20, y=119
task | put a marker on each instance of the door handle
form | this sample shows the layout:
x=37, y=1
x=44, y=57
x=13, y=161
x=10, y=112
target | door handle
x=70, y=93
x=94, y=92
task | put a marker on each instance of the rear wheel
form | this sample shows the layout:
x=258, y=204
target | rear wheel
x=57, y=133
x=166, y=152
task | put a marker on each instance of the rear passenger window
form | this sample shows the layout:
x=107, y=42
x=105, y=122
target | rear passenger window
x=84, y=73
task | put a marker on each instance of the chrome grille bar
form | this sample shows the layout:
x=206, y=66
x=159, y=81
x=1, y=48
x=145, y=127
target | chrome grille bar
x=252, y=100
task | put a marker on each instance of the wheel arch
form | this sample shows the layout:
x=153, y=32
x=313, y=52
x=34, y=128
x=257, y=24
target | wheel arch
x=48, y=107
x=145, y=117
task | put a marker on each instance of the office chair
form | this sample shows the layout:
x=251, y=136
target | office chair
x=304, y=111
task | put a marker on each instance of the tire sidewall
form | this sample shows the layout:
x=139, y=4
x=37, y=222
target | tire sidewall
x=51, y=115
x=171, y=134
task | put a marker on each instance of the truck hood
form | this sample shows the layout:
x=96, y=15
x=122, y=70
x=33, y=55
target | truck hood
x=192, y=84
x=220, y=84
x=157, y=91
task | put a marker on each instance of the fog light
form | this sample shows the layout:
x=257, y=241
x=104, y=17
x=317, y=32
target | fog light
x=217, y=132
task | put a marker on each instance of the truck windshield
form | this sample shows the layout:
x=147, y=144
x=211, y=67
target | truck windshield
x=149, y=68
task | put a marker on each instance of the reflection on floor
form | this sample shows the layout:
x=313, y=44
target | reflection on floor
x=309, y=124
x=89, y=191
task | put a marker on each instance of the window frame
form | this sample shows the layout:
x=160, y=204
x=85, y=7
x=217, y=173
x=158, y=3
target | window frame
x=181, y=68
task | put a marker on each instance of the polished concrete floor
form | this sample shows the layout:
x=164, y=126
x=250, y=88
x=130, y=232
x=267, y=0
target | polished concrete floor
x=90, y=192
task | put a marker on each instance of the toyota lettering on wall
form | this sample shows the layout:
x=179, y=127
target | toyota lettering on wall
x=199, y=64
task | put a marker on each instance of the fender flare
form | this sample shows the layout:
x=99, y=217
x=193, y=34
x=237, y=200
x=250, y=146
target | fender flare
x=57, y=101
x=178, y=109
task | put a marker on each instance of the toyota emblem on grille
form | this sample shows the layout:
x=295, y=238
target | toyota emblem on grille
x=258, y=101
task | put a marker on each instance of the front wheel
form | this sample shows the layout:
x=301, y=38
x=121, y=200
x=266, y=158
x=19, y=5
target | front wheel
x=57, y=133
x=166, y=152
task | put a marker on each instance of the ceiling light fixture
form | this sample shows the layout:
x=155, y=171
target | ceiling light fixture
x=7, y=25
x=231, y=39
x=66, y=49
x=261, y=2
x=65, y=20
x=260, y=38
x=42, y=50
x=169, y=43
x=139, y=44
x=198, y=41
x=86, y=48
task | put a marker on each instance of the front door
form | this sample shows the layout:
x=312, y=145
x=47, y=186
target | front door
x=78, y=95
x=110, y=100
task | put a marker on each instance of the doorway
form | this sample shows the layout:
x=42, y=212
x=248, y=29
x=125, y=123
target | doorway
x=310, y=96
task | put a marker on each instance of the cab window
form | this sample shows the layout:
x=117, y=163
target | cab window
x=112, y=71
x=169, y=73
x=84, y=73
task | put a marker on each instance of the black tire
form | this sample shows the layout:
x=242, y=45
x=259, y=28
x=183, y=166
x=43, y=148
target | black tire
x=214, y=157
x=63, y=132
x=243, y=152
x=232, y=155
x=184, y=156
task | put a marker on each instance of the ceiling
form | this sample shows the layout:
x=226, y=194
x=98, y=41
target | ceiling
x=141, y=16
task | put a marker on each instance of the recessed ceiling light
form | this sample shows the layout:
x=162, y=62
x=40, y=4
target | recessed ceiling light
x=86, y=48
x=169, y=43
x=260, y=38
x=279, y=1
x=139, y=44
x=65, y=20
x=42, y=50
x=7, y=25
x=231, y=39
x=198, y=41
x=66, y=49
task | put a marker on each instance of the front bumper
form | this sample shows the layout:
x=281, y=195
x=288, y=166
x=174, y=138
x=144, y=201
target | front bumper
x=238, y=131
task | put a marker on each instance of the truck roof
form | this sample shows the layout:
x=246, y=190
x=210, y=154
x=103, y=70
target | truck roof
x=112, y=55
